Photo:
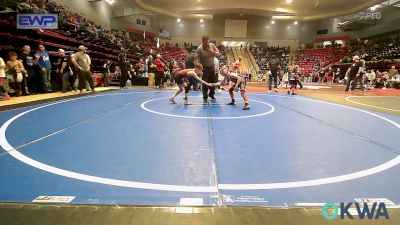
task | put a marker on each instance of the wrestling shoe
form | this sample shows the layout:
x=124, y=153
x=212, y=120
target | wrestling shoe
x=172, y=100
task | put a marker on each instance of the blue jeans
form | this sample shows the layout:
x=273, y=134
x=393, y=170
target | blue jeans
x=46, y=76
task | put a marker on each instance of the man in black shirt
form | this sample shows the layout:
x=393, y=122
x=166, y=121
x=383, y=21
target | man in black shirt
x=123, y=65
x=64, y=70
x=353, y=72
x=30, y=77
x=273, y=76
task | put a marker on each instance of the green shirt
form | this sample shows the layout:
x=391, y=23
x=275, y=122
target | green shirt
x=392, y=73
x=205, y=56
x=82, y=60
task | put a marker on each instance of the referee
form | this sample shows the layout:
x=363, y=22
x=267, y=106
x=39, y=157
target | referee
x=205, y=54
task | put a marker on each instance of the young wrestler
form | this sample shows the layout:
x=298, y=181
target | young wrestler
x=237, y=83
x=293, y=80
x=185, y=79
x=16, y=68
x=284, y=78
x=224, y=72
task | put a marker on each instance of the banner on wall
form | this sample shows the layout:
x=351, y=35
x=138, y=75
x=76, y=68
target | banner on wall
x=37, y=21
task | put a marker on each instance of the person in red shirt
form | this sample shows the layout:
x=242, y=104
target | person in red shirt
x=185, y=79
x=160, y=67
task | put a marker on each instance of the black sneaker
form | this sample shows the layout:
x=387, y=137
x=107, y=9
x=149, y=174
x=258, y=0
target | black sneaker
x=231, y=103
x=213, y=99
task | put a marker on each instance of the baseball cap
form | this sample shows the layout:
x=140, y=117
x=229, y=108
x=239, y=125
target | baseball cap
x=82, y=47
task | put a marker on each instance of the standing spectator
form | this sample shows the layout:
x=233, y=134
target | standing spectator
x=353, y=72
x=106, y=72
x=338, y=75
x=392, y=72
x=82, y=61
x=372, y=77
x=331, y=76
x=64, y=70
x=273, y=65
x=4, y=93
x=151, y=68
x=131, y=73
x=30, y=77
x=43, y=62
x=205, y=55
x=190, y=59
x=160, y=67
x=124, y=70
x=141, y=68
x=321, y=76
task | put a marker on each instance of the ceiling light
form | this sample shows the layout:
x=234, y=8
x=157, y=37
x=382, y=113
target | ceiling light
x=110, y=2
x=289, y=1
x=273, y=22
x=267, y=27
x=295, y=22
x=288, y=27
x=178, y=20
x=283, y=17
x=201, y=20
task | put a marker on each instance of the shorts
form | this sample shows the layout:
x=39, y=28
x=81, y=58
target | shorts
x=178, y=79
x=293, y=83
x=241, y=86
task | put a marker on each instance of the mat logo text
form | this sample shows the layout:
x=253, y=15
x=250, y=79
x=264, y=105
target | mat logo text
x=330, y=210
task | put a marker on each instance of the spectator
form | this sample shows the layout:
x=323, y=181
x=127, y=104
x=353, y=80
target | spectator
x=273, y=77
x=160, y=68
x=392, y=72
x=82, y=61
x=123, y=65
x=64, y=70
x=30, y=77
x=106, y=72
x=42, y=60
x=151, y=71
x=353, y=73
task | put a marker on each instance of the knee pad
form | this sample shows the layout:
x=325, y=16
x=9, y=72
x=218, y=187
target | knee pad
x=187, y=89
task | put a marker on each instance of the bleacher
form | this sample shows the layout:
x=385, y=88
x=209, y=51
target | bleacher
x=263, y=55
x=102, y=44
